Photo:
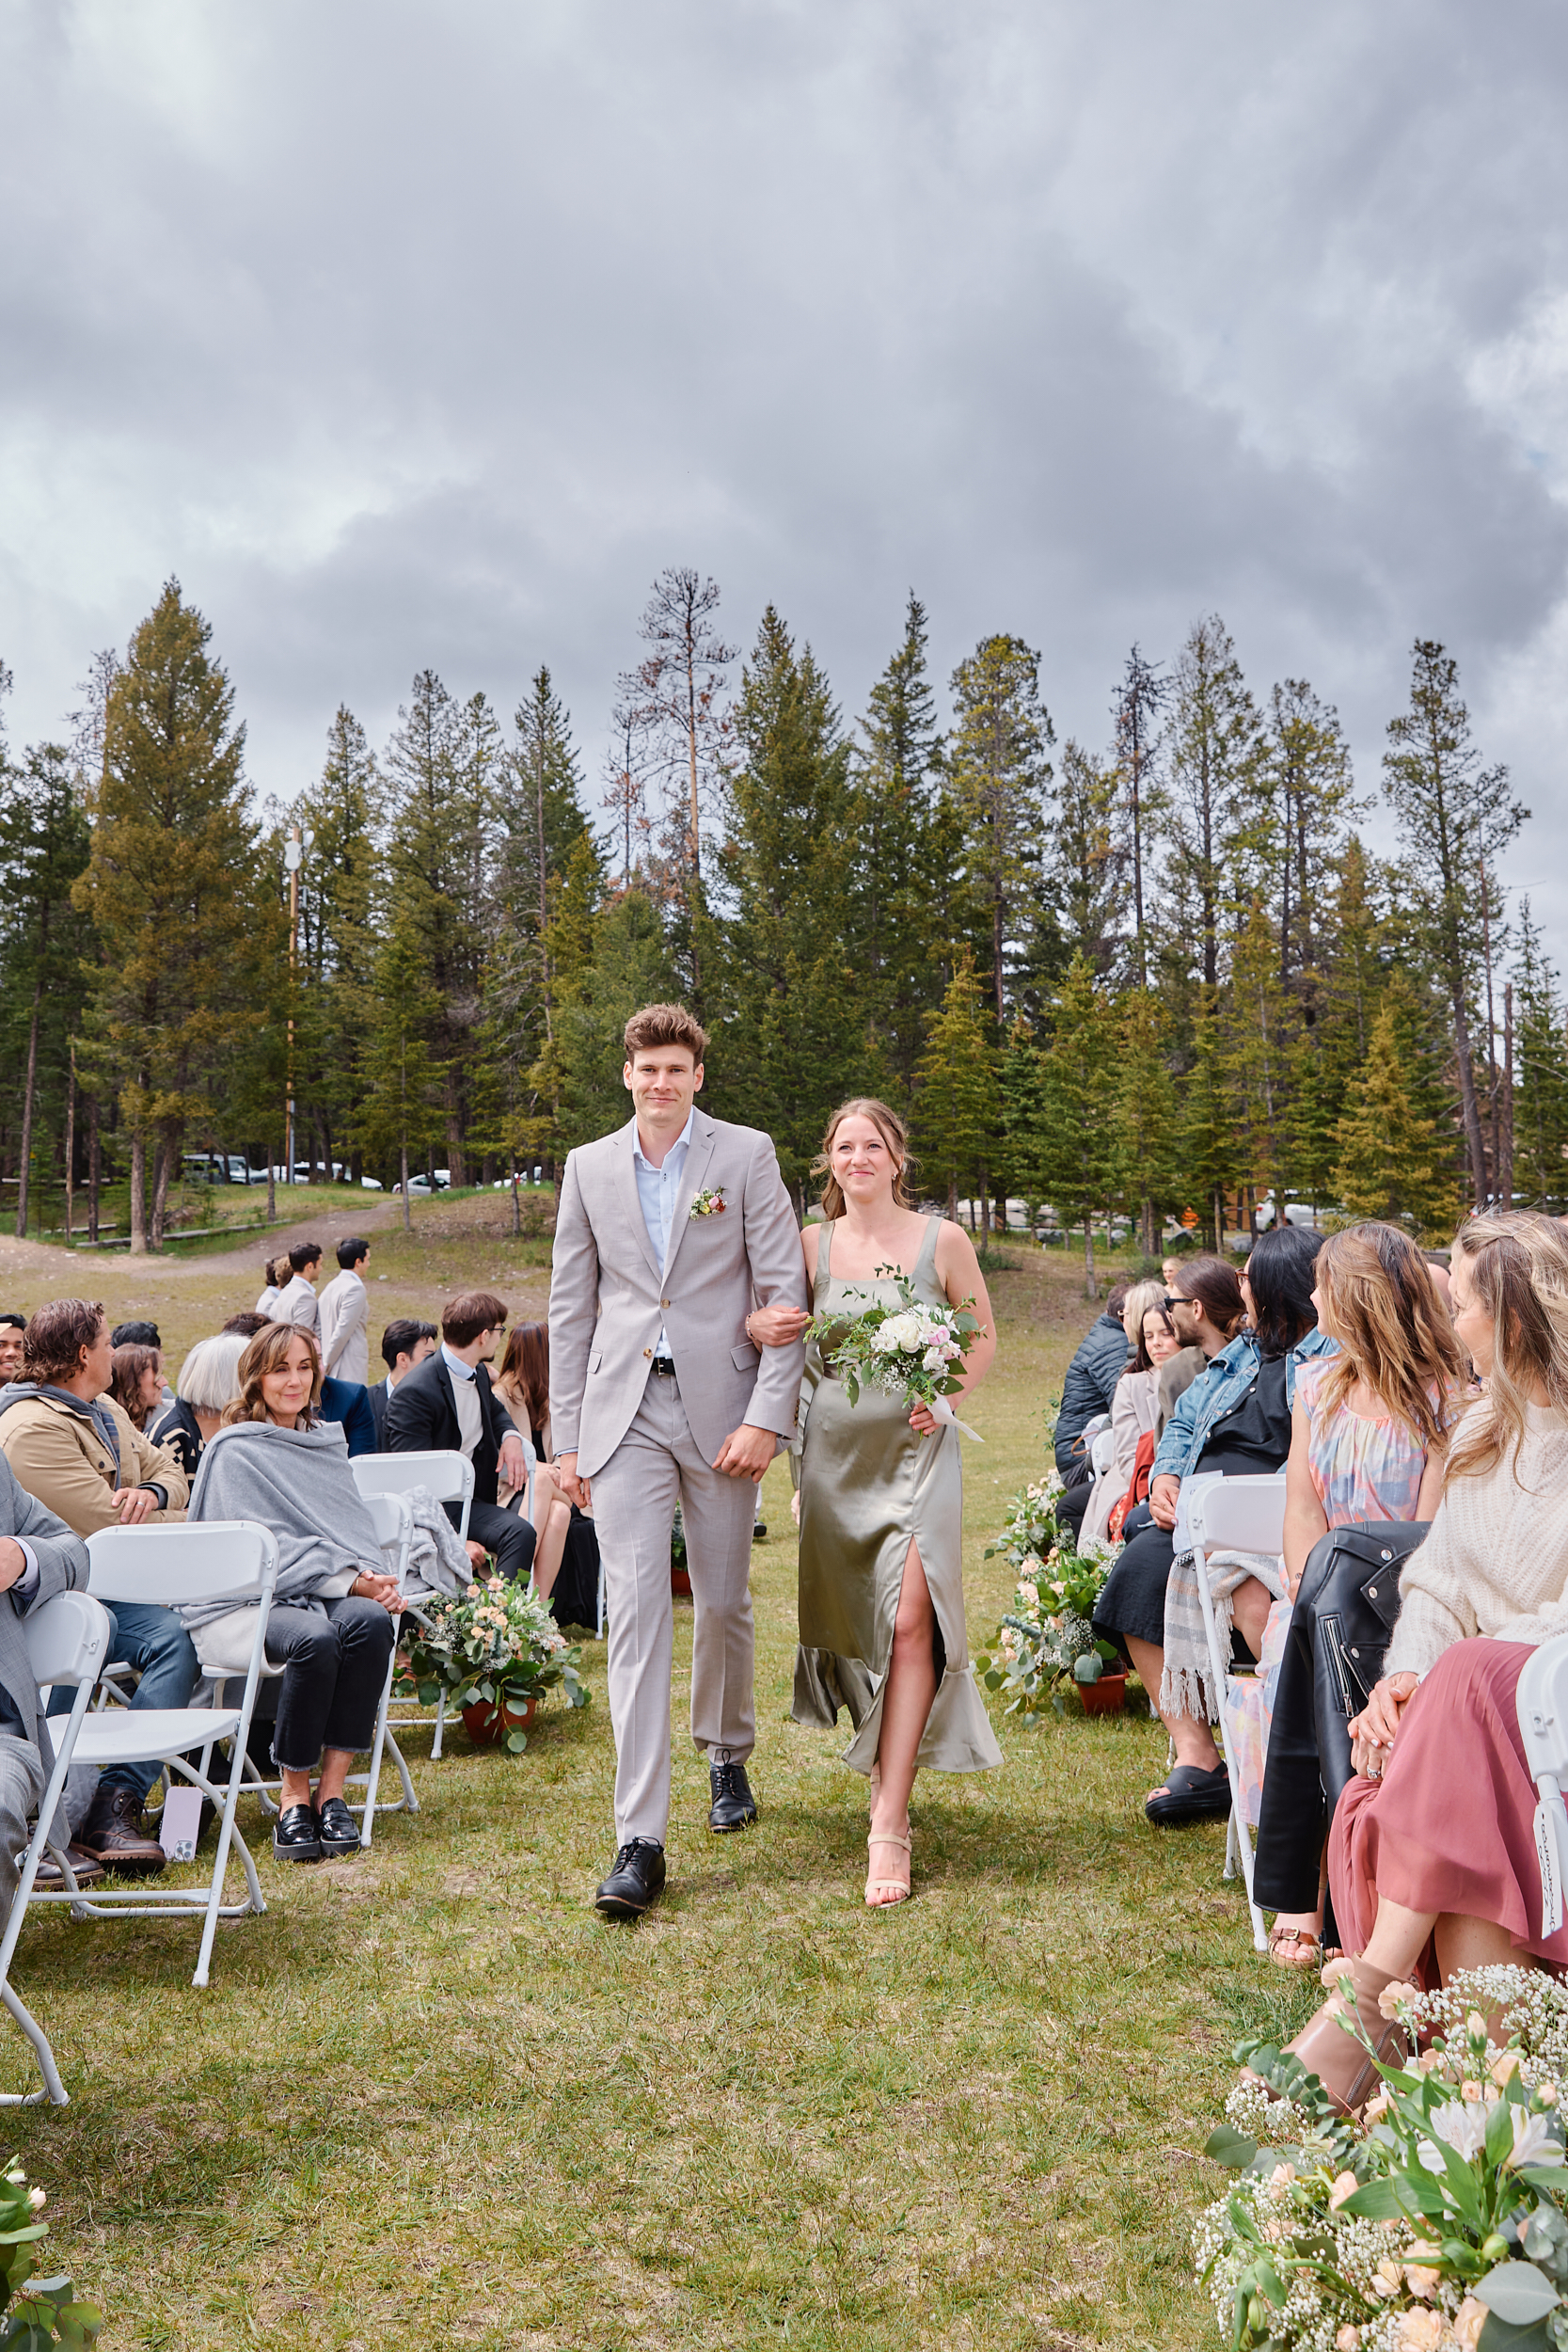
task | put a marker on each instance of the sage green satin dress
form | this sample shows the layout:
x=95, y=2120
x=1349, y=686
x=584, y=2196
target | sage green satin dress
x=869, y=1485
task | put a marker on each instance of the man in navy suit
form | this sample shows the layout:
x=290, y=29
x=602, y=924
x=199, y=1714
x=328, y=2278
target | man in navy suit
x=405, y=1343
x=447, y=1402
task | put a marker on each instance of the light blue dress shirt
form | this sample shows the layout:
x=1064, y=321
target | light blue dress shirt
x=657, y=1189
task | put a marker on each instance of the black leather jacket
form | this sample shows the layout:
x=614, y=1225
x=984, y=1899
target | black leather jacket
x=1340, y=1632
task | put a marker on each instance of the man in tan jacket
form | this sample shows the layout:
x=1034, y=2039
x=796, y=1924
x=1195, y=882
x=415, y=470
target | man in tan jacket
x=73, y=1449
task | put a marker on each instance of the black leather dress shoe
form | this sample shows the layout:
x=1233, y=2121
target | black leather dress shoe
x=84, y=1868
x=733, y=1805
x=337, y=1829
x=296, y=1835
x=635, y=1883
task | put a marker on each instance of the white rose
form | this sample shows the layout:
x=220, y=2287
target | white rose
x=933, y=1359
x=884, y=1340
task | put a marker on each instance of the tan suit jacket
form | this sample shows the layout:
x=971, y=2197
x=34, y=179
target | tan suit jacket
x=60, y=1460
x=610, y=1298
x=345, y=1309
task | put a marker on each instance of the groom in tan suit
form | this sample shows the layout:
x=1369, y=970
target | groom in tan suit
x=670, y=1233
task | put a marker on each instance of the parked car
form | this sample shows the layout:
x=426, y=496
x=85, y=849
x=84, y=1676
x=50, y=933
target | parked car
x=372, y=1183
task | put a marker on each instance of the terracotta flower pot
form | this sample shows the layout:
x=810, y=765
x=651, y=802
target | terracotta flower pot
x=487, y=1725
x=1108, y=1696
x=679, y=1580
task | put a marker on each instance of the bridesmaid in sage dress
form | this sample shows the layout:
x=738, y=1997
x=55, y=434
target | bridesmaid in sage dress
x=882, y=1501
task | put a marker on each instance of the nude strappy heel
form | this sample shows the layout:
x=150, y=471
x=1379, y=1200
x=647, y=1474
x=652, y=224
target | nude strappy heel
x=894, y=1887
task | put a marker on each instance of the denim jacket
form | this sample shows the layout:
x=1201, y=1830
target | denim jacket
x=1222, y=1384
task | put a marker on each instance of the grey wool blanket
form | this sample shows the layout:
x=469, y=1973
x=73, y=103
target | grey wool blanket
x=1186, y=1685
x=297, y=1482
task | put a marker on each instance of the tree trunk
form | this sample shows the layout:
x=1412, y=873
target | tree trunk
x=69, y=1143
x=408, y=1222
x=1091, y=1288
x=1469, y=1107
x=985, y=1211
x=1146, y=1216
x=138, y=1192
x=516, y=1204
x=1505, y=1166
x=167, y=1154
x=25, y=1167
x=272, y=1194
x=95, y=1166
x=952, y=1200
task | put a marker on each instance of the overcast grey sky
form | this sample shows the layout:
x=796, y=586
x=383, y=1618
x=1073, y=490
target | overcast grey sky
x=428, y=334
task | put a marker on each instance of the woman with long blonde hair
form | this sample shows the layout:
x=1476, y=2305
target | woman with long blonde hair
x=882, y=1496
x=1432, y=1854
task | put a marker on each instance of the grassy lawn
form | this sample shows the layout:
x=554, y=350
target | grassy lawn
x=429, y=2098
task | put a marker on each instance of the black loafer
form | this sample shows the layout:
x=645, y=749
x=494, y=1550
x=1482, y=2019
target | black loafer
x=1191, y=1795
x=296, y=1835
x=635, y=1883
x=733, y=1805
x=338, y=1830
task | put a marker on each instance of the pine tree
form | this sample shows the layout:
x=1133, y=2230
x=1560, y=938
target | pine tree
x=626, y=964
x=1540, y=1108
x=796, y=1021
x=43, y=940
x=1454, y=817
x=1256, y=1061
x=339, y=877
x=1081, y=1155
x=1209, y=1153
x=1148, y=1116
x=1391, y=1161
x=1140, y=698
x=190, y=942
x=1085, y=886
x=1214, y=748
x=1306, y=795
x=905, y=854
x=957, y=1106
x=999, y=771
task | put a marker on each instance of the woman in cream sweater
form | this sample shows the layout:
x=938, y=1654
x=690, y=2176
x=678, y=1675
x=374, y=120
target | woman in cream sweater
x=1431, y=1853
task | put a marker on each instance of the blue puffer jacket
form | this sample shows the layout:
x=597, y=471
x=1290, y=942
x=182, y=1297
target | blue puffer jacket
x=1091, y=1383
x=1222, y=1383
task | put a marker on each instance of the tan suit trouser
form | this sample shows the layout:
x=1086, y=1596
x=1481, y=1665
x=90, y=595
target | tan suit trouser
x=656, y=1466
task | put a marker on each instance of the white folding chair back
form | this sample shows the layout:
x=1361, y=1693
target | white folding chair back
x=232, y=1561
x=1542, y=1701
x=1235, y=1514
x=449, y=1477
x=67, y=1641
x=1102, y=1453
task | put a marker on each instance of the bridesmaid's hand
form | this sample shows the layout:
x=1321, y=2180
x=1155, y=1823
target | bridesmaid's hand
x=924, y=1419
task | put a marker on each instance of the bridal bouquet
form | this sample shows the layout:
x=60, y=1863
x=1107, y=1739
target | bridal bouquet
x=909, y=1350
x=1435, y=2219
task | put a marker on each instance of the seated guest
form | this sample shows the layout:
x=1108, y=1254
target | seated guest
x=135, y=1335
x=1087, y=1390
x=342, y=1401
x=332, y=1623
x=38, y=1558
x=1368, y=1439
x=1234, y=1420
x=11, y=1329
x=136, y=1385
x=405, y=1343
x=1142, y=1401
x=208, y=1381
x=75, y=1451
x=297, y=1302
x=448, y=1402
x=523, y=1386
x=1432, y=1862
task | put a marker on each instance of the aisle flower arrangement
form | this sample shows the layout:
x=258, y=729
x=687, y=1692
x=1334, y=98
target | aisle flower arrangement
x=1046, y=1641
x=37, y=2311
x=1439, y=2219
x=498, y=1646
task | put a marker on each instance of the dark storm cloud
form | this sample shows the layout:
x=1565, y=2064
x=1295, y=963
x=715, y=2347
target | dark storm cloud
x=409, y=335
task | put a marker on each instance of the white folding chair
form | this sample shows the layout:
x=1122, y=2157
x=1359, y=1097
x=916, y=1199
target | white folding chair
x=1542, y=1702
x=1235, y=1514
x=1102, y=1453
x=449, y=1477
x=67, y=1639
x=224, y=1560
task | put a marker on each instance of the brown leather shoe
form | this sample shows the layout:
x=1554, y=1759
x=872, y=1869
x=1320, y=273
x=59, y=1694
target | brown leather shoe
x=85, y=1871
x=112, y=1834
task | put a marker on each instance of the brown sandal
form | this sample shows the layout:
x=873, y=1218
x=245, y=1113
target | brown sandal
x=1347, y=2070
x=1311, y=1958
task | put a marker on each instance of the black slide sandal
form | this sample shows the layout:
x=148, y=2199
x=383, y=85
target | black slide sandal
x=1191, y=1795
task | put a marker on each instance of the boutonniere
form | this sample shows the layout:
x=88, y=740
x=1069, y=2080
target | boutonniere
x=709, y=1204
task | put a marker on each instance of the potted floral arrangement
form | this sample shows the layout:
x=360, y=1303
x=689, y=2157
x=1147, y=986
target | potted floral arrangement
x=36, y=2311
x=1438, y=2217
x=1046, y=1644
x=493, y=1651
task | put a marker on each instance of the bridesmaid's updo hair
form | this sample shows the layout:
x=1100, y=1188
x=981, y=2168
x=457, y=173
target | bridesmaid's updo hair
x=894, y=1133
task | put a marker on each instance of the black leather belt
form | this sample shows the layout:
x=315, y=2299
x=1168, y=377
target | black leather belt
x=665, y=1364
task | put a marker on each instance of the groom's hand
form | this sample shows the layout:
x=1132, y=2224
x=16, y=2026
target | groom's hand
x=746, y=1453
x=572, y=1487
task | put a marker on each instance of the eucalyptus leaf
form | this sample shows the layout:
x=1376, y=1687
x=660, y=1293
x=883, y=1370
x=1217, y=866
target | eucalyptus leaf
x=1228, y=2146
x=1499, y=2335
x=1518, y=2293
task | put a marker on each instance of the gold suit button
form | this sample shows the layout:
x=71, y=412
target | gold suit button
x=664, y=1302
x=648, y=1352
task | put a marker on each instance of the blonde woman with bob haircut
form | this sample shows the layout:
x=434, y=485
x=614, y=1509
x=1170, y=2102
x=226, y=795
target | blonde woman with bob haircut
x=332, y=1625
x=1432, y=1856
x=881, y=1496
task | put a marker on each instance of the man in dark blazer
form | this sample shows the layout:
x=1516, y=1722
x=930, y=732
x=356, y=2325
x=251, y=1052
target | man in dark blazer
x=447, y=1402
x=38, y=1558
x=405, y=1343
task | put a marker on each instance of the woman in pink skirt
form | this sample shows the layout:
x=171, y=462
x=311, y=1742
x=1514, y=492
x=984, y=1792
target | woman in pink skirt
x=1431, y=1853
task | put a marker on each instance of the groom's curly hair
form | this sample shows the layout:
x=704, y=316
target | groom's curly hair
x=665, y=1025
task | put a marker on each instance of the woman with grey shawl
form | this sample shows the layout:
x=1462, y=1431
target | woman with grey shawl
x=332, y=1623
